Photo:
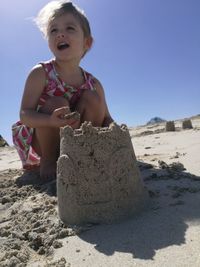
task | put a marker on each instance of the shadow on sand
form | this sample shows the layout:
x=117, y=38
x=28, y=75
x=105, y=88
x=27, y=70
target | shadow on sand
x=174, y=201
x=32, y=178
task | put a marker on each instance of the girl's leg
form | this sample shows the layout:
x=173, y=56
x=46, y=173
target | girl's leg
x=91, y=108
x=46, y=141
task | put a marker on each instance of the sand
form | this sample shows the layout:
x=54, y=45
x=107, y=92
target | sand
x=101, y=183
x=166, y=233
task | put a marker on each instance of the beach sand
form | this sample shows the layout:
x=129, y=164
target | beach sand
x=166, y=233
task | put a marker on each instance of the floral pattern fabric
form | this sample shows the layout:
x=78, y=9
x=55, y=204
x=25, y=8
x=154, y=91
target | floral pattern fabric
x=22, y=134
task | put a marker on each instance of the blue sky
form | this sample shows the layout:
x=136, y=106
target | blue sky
x=146, y=53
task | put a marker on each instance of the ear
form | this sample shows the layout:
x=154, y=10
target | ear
x=88, y=42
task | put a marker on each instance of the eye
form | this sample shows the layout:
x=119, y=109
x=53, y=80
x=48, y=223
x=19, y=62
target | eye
x=53, y=30
x=70, y=28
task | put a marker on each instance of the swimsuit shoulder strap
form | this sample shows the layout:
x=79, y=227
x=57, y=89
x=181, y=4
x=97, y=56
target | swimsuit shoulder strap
x=90, y=80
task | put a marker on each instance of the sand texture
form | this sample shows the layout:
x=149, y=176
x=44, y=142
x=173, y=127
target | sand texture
x=98, y=177
x=167, y=233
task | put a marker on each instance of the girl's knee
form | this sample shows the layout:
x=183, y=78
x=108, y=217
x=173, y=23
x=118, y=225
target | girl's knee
x=91, y=108
x=90, y=98
x=53, y=103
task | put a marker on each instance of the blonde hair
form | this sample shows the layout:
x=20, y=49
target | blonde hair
x=55, y=9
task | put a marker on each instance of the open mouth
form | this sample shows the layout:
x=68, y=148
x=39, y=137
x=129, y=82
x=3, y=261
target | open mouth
x=62, y=46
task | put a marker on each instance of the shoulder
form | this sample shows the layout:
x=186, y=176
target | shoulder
x=36, y=78
x=98, y=86
x=42, y=68
x=91, y=78
x=37, y=71
x=95, y=82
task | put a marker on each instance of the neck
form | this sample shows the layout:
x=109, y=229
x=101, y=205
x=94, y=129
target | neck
x=69, y=73
x=70, y=68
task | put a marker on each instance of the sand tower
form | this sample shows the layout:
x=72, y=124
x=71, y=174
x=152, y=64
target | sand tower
x=3, y=142
x=187, y=124
x=98, y=180
x=169, y=126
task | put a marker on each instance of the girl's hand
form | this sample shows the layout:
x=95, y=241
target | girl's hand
x=62, y=117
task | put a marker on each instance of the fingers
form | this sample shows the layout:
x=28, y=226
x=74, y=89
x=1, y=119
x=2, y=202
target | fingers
x=61, y=111
x=72, y=119
x=63, y=116
x=73, y=115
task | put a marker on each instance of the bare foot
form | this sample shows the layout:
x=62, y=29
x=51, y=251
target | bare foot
x=47, y=169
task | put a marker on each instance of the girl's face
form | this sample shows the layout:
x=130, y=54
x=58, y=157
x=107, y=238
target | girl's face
x=66, y=38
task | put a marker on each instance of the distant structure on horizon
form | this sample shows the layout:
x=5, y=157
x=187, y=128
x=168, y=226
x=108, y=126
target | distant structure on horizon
x=155, y=120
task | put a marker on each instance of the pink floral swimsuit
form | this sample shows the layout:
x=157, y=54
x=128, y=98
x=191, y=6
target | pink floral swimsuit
x=22, y=134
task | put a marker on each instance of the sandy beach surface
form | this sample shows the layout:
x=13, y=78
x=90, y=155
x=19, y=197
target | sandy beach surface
x=165, y=234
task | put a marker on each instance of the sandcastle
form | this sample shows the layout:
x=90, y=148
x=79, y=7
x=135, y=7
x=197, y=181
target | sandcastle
x=187, y=124
x=3, y=142
x=98, y=180
x=169, y=126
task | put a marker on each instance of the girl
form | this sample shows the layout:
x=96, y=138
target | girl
x=58, y=87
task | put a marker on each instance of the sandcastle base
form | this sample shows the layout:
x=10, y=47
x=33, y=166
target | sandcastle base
x=98, y=180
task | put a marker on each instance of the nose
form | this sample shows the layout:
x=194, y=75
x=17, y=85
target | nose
x=60, y=34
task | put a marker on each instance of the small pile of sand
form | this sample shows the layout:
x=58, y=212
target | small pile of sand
x=29, y=223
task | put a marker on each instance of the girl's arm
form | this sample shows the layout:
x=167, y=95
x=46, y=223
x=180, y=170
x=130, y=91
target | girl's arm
x=29, y=116
x=33, y=89
x=100, y=91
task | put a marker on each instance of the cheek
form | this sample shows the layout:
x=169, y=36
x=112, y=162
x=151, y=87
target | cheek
x=50, y=44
